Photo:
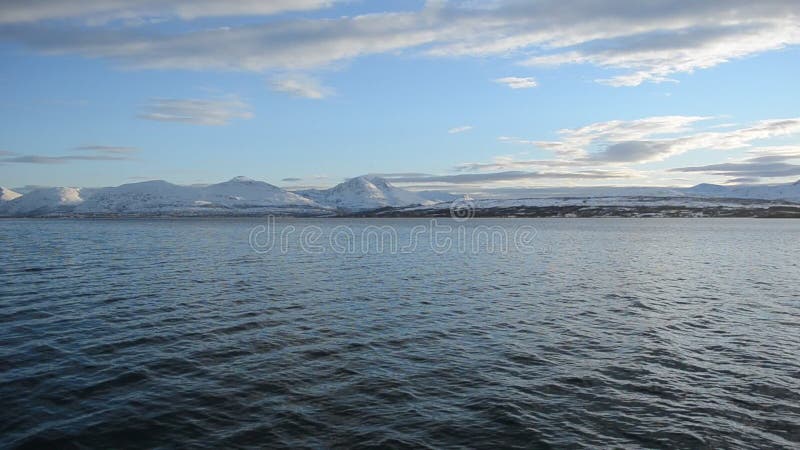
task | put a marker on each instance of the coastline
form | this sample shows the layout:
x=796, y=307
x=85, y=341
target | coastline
x=522, y=212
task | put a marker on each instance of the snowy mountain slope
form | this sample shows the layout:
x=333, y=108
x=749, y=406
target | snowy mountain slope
x=160, y=197
x=43, y=201
x=144, y=197
x=787, y=191
x=6, y=194
x=365, y=192
x=243, y=191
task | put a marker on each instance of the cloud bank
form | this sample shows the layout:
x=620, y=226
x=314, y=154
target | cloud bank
x=648, y=140
x=617, y=147
x=772, y=162
x=95, y=12
x=650, y=42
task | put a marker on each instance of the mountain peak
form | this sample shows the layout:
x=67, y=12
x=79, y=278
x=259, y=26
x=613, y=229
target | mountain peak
x=371, y=177
x=363, y=178
x=241, y=179
x=374, y=180
x=378, y=181
x=7, y=194
x=365, y=192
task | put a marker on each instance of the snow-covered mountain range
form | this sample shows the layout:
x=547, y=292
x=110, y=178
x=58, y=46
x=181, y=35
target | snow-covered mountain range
x=244, y=196
x=239, y=196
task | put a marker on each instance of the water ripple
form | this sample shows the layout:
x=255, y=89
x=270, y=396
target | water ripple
x=618, y=333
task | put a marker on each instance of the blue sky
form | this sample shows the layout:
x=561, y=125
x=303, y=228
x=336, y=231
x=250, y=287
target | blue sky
x=457, y=95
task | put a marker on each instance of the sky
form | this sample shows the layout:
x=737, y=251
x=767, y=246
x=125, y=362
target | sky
x=459, y=95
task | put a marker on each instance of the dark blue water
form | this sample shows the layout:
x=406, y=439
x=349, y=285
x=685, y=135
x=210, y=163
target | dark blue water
x=606, y=333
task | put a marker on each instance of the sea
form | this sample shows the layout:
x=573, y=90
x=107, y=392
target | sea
x=199, y=333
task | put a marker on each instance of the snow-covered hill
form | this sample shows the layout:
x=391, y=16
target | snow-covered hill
x=363, y=193
x=239, y=196
x=138, y=198
x=43, y=201
x=244, y=192
x=787, y=191
x=6, y=194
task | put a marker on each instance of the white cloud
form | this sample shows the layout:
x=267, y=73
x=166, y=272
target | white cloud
x=517, y=82
x=655, y=55
x=483, y=178
x=575, y=143
x=769, y=162
x=197, y=111
x=101, y=11
x=278, y=45
x=651, y=42
x=300, y=86
x=617, y=146
x=96, y=153
x=775, y=151
x=501, y=163
x=654, y=139
x=460, y=129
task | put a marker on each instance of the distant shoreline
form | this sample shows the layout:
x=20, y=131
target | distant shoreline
x=512, y=212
